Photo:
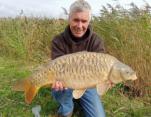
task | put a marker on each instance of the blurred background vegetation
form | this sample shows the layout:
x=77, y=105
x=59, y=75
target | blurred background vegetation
x=25, y=43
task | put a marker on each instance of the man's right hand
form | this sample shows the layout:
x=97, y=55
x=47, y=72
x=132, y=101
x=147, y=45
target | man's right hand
x=58, y=86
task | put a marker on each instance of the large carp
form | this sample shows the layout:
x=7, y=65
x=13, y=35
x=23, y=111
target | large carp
x=77, y=71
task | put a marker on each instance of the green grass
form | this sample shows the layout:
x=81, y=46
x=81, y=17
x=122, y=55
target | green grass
x=12, y=103
x=119, y=105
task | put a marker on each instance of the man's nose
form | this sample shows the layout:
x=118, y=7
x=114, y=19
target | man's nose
x=79, y=24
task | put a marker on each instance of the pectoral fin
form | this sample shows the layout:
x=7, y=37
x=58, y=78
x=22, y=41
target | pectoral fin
x=78, y=93
x=102, y=88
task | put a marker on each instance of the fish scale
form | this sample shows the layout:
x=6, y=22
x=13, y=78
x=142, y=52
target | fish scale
x=88, y=66
x=77, y=71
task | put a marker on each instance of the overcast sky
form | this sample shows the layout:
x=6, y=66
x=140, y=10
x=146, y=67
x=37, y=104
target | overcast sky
x=52, y=8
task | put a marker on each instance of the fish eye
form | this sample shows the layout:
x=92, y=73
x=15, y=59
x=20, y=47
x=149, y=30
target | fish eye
x=127, y=72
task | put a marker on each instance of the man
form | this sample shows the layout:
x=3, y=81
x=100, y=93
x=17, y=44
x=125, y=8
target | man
x=78, y=36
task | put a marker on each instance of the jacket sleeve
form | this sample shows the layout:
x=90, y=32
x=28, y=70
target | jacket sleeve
x=56, y=48
x=98, y=45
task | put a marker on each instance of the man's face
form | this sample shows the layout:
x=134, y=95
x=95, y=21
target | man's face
x=78, y=22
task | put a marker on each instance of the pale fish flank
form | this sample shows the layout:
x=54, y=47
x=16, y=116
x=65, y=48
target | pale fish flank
x=77, y=71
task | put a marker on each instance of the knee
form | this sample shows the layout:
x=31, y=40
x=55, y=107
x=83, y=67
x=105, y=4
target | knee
x=92, y=104
x=64, y=98
x=98, y=108
x=99, y=113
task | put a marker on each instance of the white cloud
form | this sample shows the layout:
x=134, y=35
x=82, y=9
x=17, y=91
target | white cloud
x=52, y=7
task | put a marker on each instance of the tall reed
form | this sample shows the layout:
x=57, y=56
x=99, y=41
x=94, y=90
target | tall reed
x=127, y=36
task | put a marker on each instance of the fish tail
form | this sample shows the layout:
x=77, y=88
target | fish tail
x=19, y=85
x=29, y=89
x=30, y=93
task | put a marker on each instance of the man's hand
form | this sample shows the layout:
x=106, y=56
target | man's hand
x=110, y=84
x=58, y=86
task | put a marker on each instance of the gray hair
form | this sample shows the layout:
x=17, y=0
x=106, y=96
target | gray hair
x=79, y=6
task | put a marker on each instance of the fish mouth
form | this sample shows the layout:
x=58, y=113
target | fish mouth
x=134, y=77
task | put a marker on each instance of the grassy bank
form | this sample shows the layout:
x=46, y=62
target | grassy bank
x=12, y=103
